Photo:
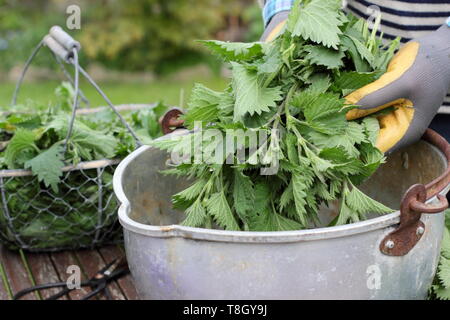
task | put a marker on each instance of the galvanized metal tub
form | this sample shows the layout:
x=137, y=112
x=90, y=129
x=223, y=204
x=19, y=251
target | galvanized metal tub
x=169, y=261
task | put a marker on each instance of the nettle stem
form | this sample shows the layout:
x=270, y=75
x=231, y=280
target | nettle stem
x=284, y=106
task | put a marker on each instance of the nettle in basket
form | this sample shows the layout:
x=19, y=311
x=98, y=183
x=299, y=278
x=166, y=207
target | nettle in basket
x=294, y=86
x=55, y=192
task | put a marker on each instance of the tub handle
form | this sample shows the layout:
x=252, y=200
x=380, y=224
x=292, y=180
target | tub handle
x=170, y=121
x=427, y=208
x=413, y=205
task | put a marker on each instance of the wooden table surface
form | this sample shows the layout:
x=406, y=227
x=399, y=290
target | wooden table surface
x=21, y=270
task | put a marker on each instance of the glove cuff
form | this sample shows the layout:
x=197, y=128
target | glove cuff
x=275, y=25
x=273, y=7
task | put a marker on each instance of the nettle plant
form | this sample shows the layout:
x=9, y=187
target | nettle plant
x=293, y=89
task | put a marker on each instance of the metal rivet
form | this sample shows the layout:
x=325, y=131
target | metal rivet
x=420, y=230
x=390, y=244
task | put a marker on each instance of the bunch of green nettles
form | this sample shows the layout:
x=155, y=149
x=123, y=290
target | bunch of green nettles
x=295, y=85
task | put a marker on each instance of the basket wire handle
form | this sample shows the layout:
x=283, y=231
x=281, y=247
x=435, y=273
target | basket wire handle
x=24, y=71
x=67, y=51
x=113, y=108
x=69, y=78
x=75, y=99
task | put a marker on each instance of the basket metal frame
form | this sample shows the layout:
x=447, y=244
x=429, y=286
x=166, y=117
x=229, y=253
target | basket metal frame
x=63, y=54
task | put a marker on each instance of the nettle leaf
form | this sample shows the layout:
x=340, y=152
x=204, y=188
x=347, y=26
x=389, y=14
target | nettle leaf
x=442, y=293
x=262, y=196
x=355, y=132
x=269, y=221
x=322, y=191
x=191, y=192
x=202, y=106
x=444, y=272
x=383, y=57
x=272, y=61
x=342, y=161
x=219, y=209
x=168, y=143
x=195, y=215
x=445, y=245
x=322, y=56
x=361, y=65
x=300, y=189
x=442, y=288
x=20, y=148
x=226, y=106
x=90, y=143
x=47, y=166
x=65, y=94
x=243, y=195
x=352, y=135
x=371, y=159
x=25, y=121
x=292, y=151
x=251, y=94
x=287, y=196
x=317, y=21
x=236, y=51
x=319, y=83
x=348, y=82
x=362, y=50
x=345, y=214
x=319, y=164
x=322, y=111
x=371, y=128
x=361, y=203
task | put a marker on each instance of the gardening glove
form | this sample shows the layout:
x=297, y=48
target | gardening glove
x=416, y=83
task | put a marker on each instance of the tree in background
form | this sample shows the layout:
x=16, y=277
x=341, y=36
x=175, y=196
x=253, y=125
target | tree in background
x=132, y=35
x=23, y=23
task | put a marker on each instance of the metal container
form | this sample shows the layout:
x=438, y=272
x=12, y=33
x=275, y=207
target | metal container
x=388, y=257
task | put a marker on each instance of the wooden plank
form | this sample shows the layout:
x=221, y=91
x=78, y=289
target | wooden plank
x=4, y=295
x=92, y=262
x=3, y=291
x=16, y=272
x=61, y=261
x=44, y=272
x=126, y=283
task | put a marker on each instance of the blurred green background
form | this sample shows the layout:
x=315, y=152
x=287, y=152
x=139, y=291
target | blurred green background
x=140, y=51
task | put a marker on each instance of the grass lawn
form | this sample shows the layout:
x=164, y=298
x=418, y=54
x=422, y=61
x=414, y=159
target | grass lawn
x=166, y=90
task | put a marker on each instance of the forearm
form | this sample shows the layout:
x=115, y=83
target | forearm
x=275, y=14
x=272, y=7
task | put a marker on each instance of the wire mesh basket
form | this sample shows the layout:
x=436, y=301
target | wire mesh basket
x=82, y=212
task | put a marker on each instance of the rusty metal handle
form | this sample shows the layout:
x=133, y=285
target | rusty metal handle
x=410, y=231
x=170, y=121
x=418, y=206
x=437, y=185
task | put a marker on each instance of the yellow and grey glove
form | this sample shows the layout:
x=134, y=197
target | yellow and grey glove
x=416, y=83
